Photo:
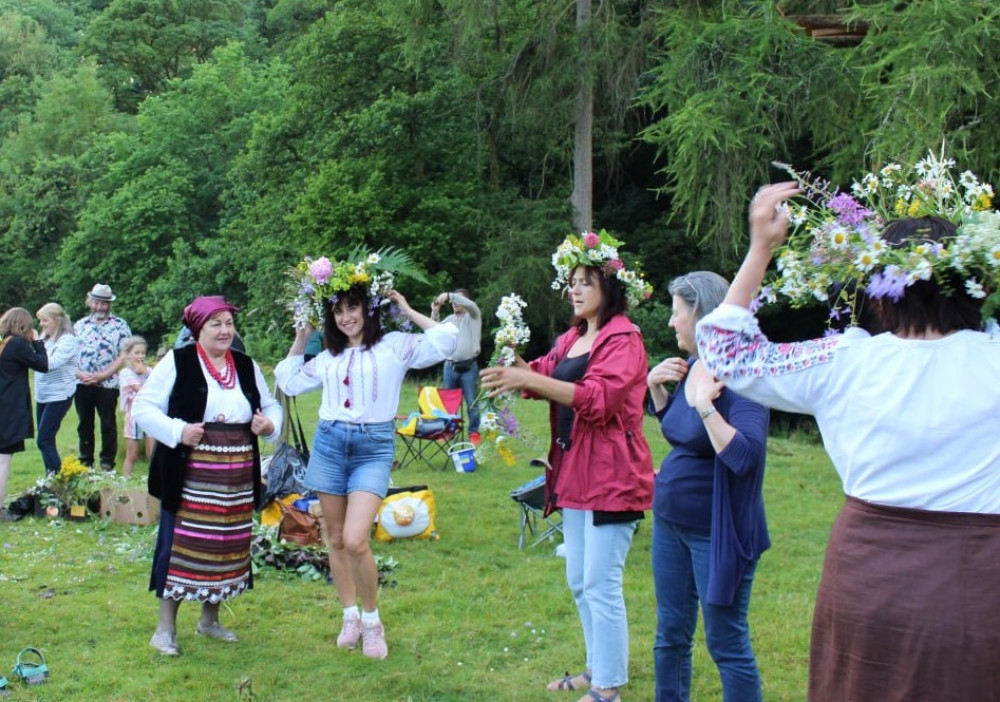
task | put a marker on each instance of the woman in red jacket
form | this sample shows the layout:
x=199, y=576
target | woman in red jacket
x=601, y=473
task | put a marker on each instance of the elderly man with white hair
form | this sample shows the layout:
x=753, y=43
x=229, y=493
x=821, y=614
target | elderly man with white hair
x=101, y=336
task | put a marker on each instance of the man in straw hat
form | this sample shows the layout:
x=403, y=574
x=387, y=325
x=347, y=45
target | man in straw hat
x=101, y=336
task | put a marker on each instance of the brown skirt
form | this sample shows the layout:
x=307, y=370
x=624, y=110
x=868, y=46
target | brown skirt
x=908, y=607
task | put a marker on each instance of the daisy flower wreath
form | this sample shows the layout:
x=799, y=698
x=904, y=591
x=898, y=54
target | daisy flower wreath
x=836, y=254
x=600, y=250
x=497, y=422
x=317, y=282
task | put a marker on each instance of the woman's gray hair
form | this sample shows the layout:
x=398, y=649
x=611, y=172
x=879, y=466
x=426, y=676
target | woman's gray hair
x=703, y=291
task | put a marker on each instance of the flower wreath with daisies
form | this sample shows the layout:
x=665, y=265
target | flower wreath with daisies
x=836, y=254
x=598, y=250
x=316, y=283
x=498, y=424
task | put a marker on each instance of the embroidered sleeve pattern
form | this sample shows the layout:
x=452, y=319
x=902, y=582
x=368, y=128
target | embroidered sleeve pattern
x=744, y=354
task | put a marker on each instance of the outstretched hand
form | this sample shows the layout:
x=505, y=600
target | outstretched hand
x=768, y=221
x=500, y=379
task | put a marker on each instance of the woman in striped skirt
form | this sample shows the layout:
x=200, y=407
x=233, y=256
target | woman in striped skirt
x=205, y=405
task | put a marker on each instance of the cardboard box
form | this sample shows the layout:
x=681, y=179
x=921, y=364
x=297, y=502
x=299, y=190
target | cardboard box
x=129, y=507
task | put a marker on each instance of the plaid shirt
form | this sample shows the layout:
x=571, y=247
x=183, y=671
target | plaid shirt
x=100, y=344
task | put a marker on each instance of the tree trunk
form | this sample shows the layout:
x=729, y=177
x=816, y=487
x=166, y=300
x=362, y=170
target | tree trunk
x=582, y=199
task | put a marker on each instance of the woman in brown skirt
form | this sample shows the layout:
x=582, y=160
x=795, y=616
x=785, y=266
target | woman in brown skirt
x=205, y=405
x=908, y=605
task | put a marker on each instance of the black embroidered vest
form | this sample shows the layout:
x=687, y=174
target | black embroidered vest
x=187, y=401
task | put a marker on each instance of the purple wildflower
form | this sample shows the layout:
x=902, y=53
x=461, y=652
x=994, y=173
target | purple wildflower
x=848, y=211
x=889, y=283
x=508, y=422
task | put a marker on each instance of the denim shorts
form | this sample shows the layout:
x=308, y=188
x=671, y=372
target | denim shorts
x=348, y=458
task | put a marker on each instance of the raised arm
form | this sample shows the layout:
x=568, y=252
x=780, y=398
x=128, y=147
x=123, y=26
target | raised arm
x=768, y=229
x=421, y=320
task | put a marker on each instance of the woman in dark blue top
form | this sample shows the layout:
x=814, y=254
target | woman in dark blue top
x=709, y=527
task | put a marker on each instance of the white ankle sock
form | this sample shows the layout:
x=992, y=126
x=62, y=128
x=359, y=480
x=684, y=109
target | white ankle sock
x=370, y=617
x=351, y=611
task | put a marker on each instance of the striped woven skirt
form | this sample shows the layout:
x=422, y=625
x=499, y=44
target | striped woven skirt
x=208, y=542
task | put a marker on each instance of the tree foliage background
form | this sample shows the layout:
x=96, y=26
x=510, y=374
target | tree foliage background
x=174, y=149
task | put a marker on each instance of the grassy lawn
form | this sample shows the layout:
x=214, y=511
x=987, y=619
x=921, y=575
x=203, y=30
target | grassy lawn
x=468, y=617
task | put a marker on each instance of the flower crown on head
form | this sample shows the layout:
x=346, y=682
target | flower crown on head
x=319, y=282
x=598, y=250
x=836, y=253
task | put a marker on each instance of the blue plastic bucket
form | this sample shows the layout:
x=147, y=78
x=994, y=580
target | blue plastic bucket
x=463, y=455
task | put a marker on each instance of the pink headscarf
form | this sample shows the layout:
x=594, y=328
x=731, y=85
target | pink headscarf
x=202, y=309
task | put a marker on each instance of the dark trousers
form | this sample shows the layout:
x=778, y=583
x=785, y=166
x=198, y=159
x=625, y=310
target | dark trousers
x=49, y=417
x=91, y=398
x=465, y=375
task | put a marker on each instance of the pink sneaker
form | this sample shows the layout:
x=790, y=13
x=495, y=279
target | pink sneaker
x=373, y=640
x=350, y=631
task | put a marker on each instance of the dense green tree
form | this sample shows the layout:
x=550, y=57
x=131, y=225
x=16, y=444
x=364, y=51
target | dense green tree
x=922, y=88
x=142, y=44
x=26, y=52
x=373, y=148
x=452, y=128
x=740, y=84
x=159, y=198
x=732, y=91
x=43, y=179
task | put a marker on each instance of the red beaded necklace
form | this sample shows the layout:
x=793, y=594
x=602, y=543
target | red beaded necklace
x=227, y=378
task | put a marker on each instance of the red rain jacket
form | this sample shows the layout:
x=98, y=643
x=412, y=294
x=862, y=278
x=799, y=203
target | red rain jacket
x=608, y=466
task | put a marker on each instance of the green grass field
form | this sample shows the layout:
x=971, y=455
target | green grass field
x=469, y=617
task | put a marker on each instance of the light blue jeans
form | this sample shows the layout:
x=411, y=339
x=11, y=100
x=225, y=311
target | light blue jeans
x=595, y=561
x=680, y=578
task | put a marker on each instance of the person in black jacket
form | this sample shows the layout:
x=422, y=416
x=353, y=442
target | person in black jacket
x=20, y=350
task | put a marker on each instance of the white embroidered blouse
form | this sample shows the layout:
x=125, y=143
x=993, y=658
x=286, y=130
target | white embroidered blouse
x=363, y=385
x=149, y=409
x=906, y=422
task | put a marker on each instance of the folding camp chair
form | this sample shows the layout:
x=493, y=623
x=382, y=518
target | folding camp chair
x=530, y=497
x=431, y=431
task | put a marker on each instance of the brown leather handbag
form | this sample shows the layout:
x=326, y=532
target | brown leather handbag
x=299, y=527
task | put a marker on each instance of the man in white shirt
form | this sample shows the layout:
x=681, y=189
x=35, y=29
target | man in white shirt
x=461, y=370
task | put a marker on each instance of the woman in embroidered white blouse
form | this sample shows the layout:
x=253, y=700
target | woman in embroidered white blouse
x=908, y=607
x=361, y=374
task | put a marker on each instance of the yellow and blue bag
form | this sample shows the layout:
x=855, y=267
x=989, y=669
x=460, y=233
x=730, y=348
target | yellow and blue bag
x=406, y=513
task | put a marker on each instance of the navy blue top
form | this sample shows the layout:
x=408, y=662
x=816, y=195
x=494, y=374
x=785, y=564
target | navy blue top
x=718, y=494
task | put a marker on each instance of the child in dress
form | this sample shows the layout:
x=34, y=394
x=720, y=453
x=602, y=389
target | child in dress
x=130, y=378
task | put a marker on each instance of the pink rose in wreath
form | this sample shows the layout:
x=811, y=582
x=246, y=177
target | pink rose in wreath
x=591, y=240
x=321, y=269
